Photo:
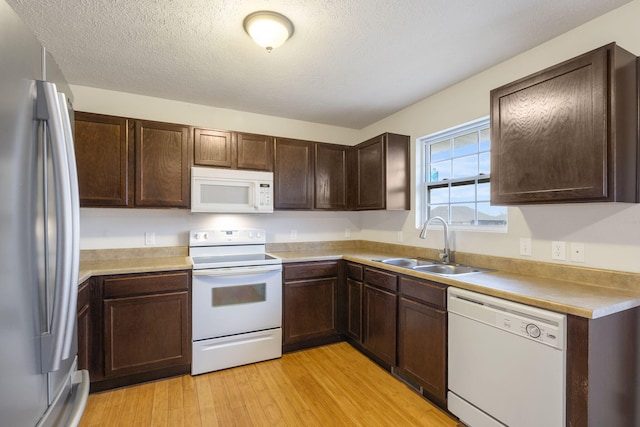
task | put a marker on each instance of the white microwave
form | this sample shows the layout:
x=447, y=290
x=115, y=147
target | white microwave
x=231, y=191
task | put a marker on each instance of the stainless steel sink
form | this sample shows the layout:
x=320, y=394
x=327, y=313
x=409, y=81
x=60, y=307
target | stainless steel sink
x=447, y=269
x=407, y=262
x=432, y=267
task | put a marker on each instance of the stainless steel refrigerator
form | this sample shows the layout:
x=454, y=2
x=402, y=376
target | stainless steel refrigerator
x=39, y=237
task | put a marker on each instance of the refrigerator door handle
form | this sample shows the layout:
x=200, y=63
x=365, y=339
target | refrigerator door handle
x=75, y=226
x=82, y=383
x=54, y=342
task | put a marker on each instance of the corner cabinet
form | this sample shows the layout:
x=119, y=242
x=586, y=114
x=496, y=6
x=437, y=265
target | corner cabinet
x=379, y=315
x=330, y=177
x=353, y=302
x=568, y=133
x=380, y=174
x=125, y=163
x=294, y=176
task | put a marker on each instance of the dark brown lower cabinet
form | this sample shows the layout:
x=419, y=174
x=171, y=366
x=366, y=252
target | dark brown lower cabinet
x=422, y=336
x=422, y=344
x=310, y=309
x=380, y=308
x=146, y=328
x=602, y=370
x=145, y=333
x=354, y=310
x=84, y=324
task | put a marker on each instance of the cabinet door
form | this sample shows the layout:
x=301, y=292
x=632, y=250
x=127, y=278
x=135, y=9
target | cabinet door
x=310, y=309
x=370, y=186
x=104, y=159
x=422, y=347
x=554, y=136
x=213, y=148
x=293, y=178
x=331, y=177
x=162, y=165
x=254, y=152
x=84, y=325
x=145, y=333
x=354, y=309
x=380, y=309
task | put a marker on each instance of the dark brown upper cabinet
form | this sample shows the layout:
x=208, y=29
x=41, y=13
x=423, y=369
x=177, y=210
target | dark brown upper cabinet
x=568, y=133
x=125, y=162
x=162, y=164
x=235, y=150
x=380, y=174
x=330, y=176
x=294, y=176
x=254, y=151
x=213, y=148
x=104, y=158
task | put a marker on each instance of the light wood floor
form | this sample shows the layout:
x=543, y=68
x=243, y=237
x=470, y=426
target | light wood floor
x=333, y=385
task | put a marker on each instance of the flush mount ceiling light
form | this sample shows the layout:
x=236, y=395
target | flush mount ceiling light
x=268, y=29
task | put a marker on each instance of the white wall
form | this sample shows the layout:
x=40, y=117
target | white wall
x=144, y=107
x=126, y=228
x=610, y=232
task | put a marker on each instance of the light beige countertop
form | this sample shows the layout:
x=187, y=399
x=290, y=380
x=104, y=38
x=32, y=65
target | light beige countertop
x=529, y=283
x=131, y=265
x=584, y=292
x=102, y=262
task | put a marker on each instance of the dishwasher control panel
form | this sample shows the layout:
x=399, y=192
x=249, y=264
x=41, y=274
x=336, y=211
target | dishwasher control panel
x=543, y=326
x=527, y=327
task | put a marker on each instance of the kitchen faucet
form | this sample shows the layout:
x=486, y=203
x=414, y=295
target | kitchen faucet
x=446, y=255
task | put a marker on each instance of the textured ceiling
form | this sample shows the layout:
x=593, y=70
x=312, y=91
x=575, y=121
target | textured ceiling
x=349, y=62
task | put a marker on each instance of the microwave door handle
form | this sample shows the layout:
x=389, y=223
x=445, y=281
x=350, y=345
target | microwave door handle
x=256, y=196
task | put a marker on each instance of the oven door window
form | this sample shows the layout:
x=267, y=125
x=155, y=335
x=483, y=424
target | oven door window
x=242, y=294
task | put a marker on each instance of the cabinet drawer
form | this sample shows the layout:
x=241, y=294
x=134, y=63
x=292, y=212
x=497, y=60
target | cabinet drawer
x=355, y=271
x=139, y=285
x=309, y=270
x=422, y=290
x=381, y=279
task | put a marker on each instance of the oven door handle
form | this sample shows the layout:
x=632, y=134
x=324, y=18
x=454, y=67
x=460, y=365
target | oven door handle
x=237, y=271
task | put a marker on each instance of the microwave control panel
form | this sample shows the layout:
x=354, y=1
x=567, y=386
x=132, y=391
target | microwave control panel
x=265, y=195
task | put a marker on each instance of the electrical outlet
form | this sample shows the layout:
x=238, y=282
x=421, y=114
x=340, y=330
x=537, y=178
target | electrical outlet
x=525, y=246
x=347, y=232
x=150, y=238
x=400, y=236
x=577, y=252
x=558, y=250
x=294, y=234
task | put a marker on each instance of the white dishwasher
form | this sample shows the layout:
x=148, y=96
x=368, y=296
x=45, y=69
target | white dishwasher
x=506, y=362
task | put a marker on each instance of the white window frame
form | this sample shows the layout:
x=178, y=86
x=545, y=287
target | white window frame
x=423, y=183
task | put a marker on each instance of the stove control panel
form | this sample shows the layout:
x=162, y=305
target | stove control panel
x=238, y=236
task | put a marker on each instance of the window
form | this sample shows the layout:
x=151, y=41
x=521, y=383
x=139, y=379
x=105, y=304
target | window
x=455, y=179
